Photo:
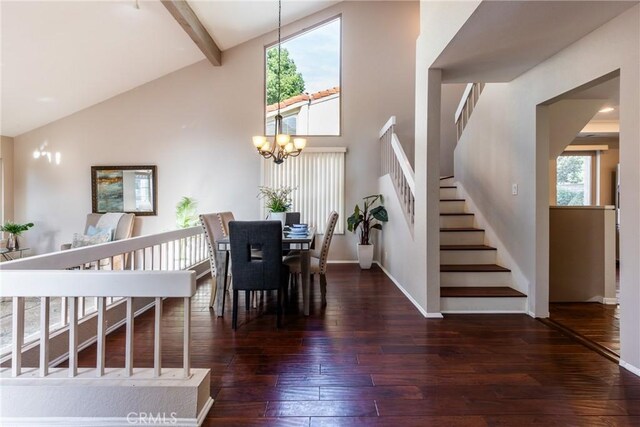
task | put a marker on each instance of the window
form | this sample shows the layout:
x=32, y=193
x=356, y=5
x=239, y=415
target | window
x=318, y=176
x=574, y=180
x=310, y=81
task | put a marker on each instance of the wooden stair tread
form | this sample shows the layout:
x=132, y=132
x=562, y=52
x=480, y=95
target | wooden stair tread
x=448, y=186
x=467, y=248
x=472, y=268
x=480, y=292
x=452, y=200
x=445, y=177
x=460, y=229
x=456, y=214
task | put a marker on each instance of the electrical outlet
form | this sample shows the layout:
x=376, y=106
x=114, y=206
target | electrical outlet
x=514, y=189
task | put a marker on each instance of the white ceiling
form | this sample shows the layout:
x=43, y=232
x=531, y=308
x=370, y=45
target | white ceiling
x=61, y=57
x=231, y=23
x=503, y=39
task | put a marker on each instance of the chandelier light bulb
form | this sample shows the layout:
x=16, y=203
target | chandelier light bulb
x=282, y=139
x=299, y=143
x=259, y=141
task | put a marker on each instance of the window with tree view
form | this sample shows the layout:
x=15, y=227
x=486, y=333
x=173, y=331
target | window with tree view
x=573, y=181
x=309, y=82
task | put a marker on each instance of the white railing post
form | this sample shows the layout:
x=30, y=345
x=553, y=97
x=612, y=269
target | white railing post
x=17, y=330
x=187, y=337
x=128, y=358
x=101, y=336
x=44, y=336
x=157, y=339
x=73, y=336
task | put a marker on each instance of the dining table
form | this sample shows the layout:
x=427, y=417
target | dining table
x=298, y=243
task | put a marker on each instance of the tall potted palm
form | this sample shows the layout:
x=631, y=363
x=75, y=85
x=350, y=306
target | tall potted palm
x=369, y=218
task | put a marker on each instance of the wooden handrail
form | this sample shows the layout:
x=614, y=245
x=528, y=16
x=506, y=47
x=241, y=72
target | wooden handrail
x=403, y=160
x=463, y=101
x=390, y=123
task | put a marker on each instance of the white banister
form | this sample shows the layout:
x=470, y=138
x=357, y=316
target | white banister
x=407, y=170
x=389, y=125
x=467, y=103
x=76, y=257
x=463, y=101
x=395, y=162
x=101, y=390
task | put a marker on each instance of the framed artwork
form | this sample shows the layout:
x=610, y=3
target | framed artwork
x=129, y=189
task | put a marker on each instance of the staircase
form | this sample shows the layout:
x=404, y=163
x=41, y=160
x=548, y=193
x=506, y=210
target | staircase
x=471, y=281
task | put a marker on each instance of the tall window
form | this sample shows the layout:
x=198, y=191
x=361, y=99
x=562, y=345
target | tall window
x=309, y=82
x=574, y=181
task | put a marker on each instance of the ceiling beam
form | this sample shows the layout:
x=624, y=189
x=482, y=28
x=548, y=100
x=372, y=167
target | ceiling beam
x=186, y=17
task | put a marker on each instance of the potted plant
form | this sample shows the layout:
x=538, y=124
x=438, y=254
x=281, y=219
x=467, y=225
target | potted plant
x=14, y=231
x=277, y=201
x=369, y=218
x=186, y=212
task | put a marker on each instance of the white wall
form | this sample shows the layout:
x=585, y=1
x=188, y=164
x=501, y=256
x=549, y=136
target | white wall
x=507, y=141
x=196, y=126
x=6, y=192
x=451, y=96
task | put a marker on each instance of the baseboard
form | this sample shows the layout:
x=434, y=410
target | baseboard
x=406, y=294
x=629, y=367
x=341, y=261
x=100, y=421
x=483, y=312
x=610, y=301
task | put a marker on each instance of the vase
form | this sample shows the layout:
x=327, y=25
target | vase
x=365, y=256
x=12, y=242
x=278, y=216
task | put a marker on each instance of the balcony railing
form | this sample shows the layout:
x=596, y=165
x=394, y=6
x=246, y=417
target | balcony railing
x=93, y=300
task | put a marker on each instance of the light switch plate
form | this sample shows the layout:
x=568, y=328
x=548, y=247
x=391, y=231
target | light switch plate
x=514, y=189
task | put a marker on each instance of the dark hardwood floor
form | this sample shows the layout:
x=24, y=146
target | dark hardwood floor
x=597, y=322
x=369, y=358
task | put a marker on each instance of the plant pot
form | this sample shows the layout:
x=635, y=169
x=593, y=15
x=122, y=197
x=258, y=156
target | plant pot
x=365, y=256
x=278, y=216
x=12, y=242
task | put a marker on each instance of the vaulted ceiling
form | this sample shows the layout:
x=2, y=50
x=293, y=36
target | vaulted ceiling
x=59, y=57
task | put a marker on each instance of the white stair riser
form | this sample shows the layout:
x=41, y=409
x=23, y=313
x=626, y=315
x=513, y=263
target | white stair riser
x=467, y=257
x=457, y=206
x=462, y=237
x=448, y=193
x=487, y=305
x=456, y=221
x=448, y=181
x=474, y=279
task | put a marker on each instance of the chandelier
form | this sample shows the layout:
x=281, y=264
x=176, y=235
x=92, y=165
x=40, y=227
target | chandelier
x=282, y=145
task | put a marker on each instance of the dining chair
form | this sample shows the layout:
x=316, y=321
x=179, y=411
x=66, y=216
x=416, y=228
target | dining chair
x=292, y=218
x=216, y=227
x=252, y=274
x=318, y=261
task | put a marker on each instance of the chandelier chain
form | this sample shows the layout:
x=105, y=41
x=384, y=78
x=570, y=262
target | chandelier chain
x=279, y=49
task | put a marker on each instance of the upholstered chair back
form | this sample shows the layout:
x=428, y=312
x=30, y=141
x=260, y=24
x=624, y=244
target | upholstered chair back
x=215, y=226
x=326, y=241
x=249, y=273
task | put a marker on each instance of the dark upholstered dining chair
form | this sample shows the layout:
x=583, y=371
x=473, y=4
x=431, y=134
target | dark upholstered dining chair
x=251, y=274
x=292, y=218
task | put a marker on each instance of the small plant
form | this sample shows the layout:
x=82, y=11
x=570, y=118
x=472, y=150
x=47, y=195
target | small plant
x=276, y=199
x=15, y=229
x=186, y=212
x=369, y=218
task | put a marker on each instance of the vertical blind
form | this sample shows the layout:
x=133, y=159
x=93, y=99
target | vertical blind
x=318, y=176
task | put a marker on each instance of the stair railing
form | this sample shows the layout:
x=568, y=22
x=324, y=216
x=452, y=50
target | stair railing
x=396, y=164
x=467, y=104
